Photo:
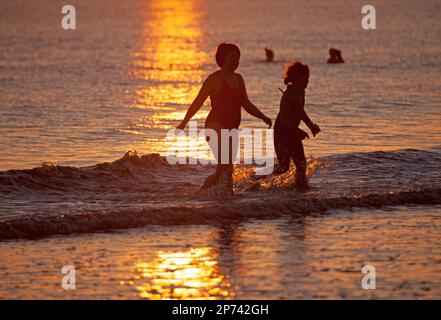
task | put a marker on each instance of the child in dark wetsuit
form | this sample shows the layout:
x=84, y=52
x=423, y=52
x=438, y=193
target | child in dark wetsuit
x=287, y=135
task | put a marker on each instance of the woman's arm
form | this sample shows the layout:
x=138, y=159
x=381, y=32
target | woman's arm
x=251, y=108
x=198, y=102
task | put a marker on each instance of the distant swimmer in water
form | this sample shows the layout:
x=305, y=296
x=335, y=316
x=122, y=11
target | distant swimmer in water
x=335, y=56
x=269, y=55
x=287, y=134
x=228, y=95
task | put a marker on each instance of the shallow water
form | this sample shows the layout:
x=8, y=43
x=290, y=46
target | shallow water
x=135, y=226
x=131, y=69
x=313, y=256
x=136, y=191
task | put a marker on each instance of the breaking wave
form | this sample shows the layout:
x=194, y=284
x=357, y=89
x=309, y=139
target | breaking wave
x=137, y=191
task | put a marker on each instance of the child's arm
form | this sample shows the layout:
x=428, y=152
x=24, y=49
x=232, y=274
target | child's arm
x=285, y=118
x=298, y=133
x=315, y=129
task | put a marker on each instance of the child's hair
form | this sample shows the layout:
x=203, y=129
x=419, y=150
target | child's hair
x=222, y=50
x=294, y=71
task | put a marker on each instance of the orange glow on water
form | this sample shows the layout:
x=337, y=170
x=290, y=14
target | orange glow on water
x=168, y=64
x=171, y=56
x=176, y=33
x=191, y=274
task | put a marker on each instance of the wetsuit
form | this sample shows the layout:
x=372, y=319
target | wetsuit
x=287, y=136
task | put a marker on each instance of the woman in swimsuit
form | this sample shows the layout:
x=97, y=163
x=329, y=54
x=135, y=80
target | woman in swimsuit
x=228, y=95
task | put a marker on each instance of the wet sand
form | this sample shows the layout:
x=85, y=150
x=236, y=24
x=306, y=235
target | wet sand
x=315, y=256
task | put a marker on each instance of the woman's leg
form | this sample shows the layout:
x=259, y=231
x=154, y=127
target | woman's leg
x=213, y=142
x=229, y=145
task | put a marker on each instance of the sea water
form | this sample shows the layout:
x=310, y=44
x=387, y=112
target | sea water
x=73, y=102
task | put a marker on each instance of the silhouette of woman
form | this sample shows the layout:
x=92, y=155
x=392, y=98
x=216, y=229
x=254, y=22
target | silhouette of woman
x=228, y=94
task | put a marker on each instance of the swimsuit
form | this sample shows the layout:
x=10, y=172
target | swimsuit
x=226, y=106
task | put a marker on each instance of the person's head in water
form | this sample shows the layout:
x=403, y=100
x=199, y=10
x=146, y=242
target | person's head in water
x=227, y=56
x=297, y=74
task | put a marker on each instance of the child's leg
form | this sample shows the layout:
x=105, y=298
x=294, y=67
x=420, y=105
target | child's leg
x=299, y=159
x=283, y=153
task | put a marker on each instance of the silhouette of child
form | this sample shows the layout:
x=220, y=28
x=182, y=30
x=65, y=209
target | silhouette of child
x=287, y=135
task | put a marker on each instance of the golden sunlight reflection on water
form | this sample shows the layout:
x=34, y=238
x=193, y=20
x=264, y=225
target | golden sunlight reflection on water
x=307, y=257
x=190, y=274
x=169, y=63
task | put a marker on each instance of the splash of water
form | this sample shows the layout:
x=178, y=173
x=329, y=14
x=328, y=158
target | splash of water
x=245, y=178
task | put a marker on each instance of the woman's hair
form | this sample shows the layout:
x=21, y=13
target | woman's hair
x=294, y=71
x=222, y=50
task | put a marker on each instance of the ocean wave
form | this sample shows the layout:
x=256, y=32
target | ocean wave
x=142, y=190
x=132, y=171
x=234, y=211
